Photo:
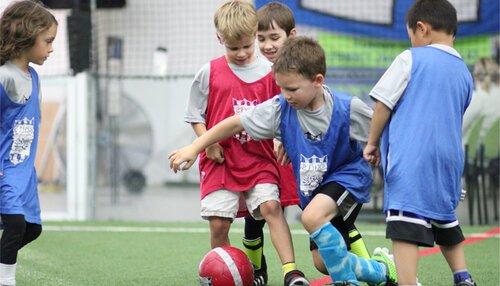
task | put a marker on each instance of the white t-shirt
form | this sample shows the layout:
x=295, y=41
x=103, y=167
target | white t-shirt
x=263, y=121
x=17, y=84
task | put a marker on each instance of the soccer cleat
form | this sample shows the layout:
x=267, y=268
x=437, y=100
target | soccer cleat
x=260, y=275
x=382, y=256
x=295, y=278
x=468, y=282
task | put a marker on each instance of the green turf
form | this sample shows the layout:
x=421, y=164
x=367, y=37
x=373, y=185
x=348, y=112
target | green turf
x=113, y=258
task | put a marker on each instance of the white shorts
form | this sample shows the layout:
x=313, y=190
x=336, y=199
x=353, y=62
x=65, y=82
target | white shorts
x=224, y=203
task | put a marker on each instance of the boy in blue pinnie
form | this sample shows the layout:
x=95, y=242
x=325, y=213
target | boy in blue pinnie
x=420, y=103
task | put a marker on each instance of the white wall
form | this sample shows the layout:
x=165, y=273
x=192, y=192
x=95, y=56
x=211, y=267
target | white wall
x=164, y=101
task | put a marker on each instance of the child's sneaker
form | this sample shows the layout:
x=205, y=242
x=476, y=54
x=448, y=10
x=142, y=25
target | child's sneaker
x=468, y=282
x=260, y=275
x=295, y=278
x=382, y=256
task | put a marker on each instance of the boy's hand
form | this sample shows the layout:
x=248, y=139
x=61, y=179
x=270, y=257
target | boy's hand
x=185, y=156
x=372, y=154
x=280, y=153
x=215, y=153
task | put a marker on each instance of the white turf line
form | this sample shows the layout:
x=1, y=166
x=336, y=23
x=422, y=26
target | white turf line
x=70, y=228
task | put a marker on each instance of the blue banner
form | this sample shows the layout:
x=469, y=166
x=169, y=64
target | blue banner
x=479, y=17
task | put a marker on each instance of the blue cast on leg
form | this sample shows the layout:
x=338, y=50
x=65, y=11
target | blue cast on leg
x=343, y=265
x=333, y=251
x=368, y=270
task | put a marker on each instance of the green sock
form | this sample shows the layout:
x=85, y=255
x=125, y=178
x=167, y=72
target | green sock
x=358, y=246
x=253, y=249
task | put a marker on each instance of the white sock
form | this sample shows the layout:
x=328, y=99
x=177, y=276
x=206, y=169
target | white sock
x=8, y=274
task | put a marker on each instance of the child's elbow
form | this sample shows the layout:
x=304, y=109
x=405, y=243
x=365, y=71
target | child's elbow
x=236, y=125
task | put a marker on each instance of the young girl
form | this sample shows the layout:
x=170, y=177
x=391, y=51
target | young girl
x=27, y=31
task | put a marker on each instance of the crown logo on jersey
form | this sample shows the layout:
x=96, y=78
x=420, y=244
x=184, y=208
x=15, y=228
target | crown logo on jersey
x=312, y=170
x=239, y=106
x=23, y=134
x=313, y=159
x=25, y=121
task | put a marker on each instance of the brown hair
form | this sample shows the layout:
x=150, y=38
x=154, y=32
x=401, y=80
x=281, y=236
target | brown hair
x=278, y=13
x=20, y=24
x=236, y=19
x=301, y=55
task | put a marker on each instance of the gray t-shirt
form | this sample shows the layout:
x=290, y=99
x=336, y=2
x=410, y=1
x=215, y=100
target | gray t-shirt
x=17, y=84
x=263, y=121
x=198, y=95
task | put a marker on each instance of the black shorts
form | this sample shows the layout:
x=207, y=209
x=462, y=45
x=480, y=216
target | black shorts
x=422, y=231
x=348, y=210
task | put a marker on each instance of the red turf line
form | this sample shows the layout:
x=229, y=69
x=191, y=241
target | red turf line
x=321, y=281
x=424, y=252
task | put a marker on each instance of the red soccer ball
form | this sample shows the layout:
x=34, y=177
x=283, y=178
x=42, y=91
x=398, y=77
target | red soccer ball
x=225, y=266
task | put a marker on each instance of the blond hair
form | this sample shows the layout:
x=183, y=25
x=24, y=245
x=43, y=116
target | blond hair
x=20, y=24
x=236, y=19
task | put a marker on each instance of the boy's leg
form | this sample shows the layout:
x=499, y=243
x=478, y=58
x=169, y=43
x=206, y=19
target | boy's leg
x=406, y=259
x=455, y=257
x=318, y=261
x=348, y=211
x=408, y=231
x=278, y=227
x=253, y=244
x=33, y=231
x=219, y=230
x=344, y=223
x=220, y=208
x=354, y=240
x=341, y=265
x=263, y=200
x=14, y=227
x=450, y=239
x=358, y=246
x=347, y=229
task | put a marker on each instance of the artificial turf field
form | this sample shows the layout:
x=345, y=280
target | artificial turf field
x=121, y=253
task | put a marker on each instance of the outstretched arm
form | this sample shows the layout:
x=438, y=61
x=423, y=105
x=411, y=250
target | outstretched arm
x=379, y=120
x=224, y=129
x=214, y=152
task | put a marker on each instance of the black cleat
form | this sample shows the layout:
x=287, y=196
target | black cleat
x=468, y=282
x=295, y=278
x=260, y=275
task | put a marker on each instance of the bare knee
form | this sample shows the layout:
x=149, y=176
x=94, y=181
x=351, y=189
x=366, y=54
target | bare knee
x=219, y=225
x=271, y=210
x=313, y=220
